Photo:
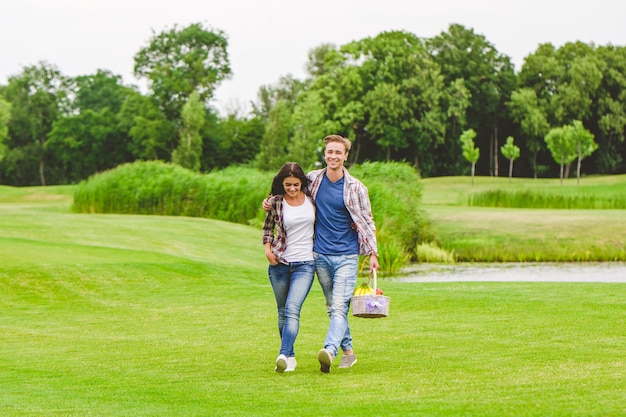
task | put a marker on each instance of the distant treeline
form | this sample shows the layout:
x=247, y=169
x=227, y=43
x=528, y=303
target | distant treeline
x=397, y=96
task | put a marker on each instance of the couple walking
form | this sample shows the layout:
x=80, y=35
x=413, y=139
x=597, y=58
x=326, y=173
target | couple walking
x=320, y=222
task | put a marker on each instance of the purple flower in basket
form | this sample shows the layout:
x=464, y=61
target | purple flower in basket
x=375, y=305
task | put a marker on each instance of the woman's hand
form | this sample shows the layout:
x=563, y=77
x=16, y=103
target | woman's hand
x=271, y=258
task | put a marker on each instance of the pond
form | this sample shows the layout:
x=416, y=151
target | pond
x=541, y=272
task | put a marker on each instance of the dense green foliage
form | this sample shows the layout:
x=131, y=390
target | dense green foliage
x=181, y=61
x=395, y=192
x=397, y=96
x=235, y=194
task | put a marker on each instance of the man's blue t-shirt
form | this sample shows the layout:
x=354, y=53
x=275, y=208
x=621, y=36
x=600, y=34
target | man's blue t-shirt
x=334, y=234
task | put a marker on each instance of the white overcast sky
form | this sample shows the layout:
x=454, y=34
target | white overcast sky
x=269, y=39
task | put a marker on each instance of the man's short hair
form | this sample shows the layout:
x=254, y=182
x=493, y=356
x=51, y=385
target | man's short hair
x=339, y=139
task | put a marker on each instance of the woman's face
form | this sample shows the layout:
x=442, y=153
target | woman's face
x=292, y=186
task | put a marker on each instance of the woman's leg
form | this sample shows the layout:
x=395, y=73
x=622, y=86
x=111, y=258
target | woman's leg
x=279, y=279
x=301, y=280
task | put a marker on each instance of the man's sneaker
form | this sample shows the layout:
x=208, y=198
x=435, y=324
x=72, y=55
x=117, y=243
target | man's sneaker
x=291, y=364
x=326, y=359
x=281, y=364
x=347, y=361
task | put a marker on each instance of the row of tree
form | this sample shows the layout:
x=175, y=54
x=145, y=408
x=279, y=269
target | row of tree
x=566, y=144
x=397, y=96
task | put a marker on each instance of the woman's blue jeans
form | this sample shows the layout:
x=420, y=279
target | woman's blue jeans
x=291, y=284
x=337, y=276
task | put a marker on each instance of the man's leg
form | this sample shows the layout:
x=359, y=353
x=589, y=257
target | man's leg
x=343, y=270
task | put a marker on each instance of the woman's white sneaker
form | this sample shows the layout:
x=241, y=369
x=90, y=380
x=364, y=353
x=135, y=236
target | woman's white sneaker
x=291, y=364
x=281, y=364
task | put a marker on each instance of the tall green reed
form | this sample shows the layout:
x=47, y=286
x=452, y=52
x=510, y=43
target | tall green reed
x=235, y=194
x=430, y=252
x=544, y=200
x=395, y=192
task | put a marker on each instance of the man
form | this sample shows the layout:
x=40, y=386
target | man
x=344, y=229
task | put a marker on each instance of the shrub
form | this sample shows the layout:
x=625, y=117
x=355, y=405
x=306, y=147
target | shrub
x=154, y=187
x=235, y=194
x=395, y=193
x=430, y=252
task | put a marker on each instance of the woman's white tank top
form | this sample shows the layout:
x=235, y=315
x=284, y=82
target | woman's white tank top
x=300, y=227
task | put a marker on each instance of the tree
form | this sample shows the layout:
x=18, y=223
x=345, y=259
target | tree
x=150, y=135
x=577, y=89
x=562, y=147
x=583, y=141
x=470, y=152
x=401, y=96
x=610, y=111
x=323, y=60
x=189, y=150
x=488, y=76
x=581, y=82
x=38, y=97
x=529, y=113
x=99, y=91
x=308, y=130
x=388, y=111
x=510, y=152
x=178, y=62
x=5, y=115
x=273, y=152
x=229, y=141
x=458, y=102
x=91, y=138
x=339, y=86
x=83, y=144
x=287, y=90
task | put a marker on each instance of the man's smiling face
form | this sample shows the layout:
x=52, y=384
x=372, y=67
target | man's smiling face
x=335, y=155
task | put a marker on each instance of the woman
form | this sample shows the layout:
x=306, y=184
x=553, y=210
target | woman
x=288, y=238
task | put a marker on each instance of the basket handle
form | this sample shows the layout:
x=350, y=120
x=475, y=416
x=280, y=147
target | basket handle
x=374, y=275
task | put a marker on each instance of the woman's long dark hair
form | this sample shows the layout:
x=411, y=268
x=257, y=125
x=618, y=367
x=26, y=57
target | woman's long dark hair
x=290, y=169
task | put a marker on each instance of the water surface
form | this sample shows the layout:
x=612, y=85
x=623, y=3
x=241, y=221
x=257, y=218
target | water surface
x=540, y=272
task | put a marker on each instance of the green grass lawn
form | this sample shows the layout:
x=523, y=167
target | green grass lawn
x=456, y=190
x=485, y=234
x=116, y=315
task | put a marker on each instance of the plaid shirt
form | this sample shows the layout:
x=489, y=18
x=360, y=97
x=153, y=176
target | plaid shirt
x=357, y=201
x=274, y=220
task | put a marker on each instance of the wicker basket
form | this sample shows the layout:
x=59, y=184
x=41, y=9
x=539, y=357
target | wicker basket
x=370, y=306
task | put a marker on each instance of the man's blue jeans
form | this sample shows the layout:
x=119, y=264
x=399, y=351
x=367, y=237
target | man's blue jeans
x=337, y=276
x=291, y=284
